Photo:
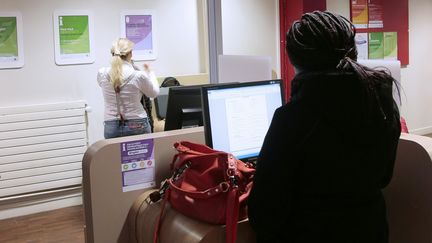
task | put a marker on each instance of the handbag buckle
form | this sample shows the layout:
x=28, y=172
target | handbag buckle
x=180, y=171
x=233, y=181
x=153, y=197
x=231, y=177
x=225, y=186
x=157, y=195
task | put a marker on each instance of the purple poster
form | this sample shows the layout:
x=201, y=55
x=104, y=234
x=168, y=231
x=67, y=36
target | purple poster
x=137, y=164
x=138, y=29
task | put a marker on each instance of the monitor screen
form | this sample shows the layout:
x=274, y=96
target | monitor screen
x=237, y=116
x=183, y=107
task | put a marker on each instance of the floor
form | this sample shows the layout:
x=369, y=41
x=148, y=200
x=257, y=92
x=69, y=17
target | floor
x=61, y=225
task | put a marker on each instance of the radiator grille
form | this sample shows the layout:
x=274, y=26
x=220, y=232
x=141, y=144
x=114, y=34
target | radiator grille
x=41, y=147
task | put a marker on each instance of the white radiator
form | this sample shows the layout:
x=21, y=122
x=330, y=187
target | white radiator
x=41, y=147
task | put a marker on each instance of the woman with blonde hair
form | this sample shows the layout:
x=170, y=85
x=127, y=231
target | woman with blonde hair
x=123, y=86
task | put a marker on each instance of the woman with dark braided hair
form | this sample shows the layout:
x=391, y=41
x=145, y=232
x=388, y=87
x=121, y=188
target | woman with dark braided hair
x=331, y=150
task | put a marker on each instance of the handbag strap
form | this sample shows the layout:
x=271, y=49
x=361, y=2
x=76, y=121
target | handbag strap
x=161, y=215
x=233, y=201
x=117, y=93
x=232, y=214
x=118, y=107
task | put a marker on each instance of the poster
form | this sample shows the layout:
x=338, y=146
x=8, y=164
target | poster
x=390, y=18
x=11, y=45
x=376, y=14
x=137, y=165
x=138, y=26
x=390, y=46
x=361, y=40
x=376, y=45
x=359, y=13
x=73, y=37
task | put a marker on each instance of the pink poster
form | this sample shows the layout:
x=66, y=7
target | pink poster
x=376, y=18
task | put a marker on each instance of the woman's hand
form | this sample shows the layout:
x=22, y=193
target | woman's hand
x=146, y=67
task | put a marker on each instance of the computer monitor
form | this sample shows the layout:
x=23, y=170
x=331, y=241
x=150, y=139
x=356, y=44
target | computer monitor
x=183, y=107
x=161, y=102
x=237, y=116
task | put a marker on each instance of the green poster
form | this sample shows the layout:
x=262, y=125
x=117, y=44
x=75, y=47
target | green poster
x=74, y=34
x=376, y=45
x=8, y=37
x=390, y=45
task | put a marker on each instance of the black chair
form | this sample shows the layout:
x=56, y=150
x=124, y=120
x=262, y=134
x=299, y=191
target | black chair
x=161, y=100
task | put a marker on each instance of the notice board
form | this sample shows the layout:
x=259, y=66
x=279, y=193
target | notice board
x=382, y=27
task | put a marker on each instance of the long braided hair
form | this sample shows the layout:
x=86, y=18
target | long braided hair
x=322, y=41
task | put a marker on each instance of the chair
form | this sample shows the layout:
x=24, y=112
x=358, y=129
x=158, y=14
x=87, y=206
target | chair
x=409, y=195
x=161, y=102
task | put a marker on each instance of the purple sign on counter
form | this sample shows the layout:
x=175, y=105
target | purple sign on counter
x=137, y=164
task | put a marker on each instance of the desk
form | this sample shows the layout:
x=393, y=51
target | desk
x=106, y=206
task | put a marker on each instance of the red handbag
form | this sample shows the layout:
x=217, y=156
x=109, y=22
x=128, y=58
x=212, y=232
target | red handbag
x=208, y=185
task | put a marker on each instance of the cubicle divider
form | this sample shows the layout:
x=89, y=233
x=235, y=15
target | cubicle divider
x=107, y=199
x=107, y=204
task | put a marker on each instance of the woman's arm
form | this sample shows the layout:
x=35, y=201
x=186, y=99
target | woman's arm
x=148, y=83
x=271, y=196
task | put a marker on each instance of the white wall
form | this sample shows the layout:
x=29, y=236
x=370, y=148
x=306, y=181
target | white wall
x=341, y=7
x=180, y=51
x=417, y=76
x=251, y=27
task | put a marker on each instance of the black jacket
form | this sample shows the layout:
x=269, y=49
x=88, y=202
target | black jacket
x=326, y=157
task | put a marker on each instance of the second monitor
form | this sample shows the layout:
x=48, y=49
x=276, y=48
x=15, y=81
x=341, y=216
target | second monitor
x=184, y=107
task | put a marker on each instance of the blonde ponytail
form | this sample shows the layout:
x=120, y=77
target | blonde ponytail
x=116, y=71
x=119, y=51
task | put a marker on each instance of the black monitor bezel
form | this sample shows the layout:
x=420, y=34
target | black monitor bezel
x=195, y=90
x=205, y=103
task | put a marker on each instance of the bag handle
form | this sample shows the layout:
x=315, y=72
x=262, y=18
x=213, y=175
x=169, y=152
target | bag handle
x=189, y=156
x=194, y=148
x=188, y=150
x=221, y=188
